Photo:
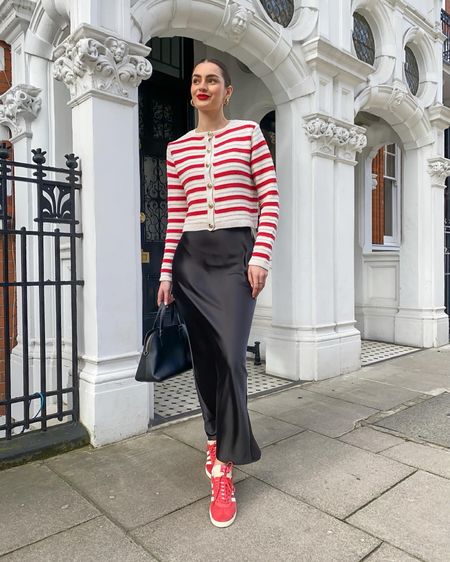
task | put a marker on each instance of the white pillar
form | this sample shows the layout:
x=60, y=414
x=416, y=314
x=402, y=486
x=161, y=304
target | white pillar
x=421, y=320
x=105, y=137
x=313, y=328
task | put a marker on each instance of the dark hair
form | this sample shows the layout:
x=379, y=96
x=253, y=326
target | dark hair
x=225, y=74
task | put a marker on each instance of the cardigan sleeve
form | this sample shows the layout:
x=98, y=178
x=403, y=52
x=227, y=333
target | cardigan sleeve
x=176, y=214
x=263, y=174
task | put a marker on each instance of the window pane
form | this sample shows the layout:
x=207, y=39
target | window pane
x=363, y=40
x=390, y=165
x=391, y=148
x=388, y=207
x=411, y=71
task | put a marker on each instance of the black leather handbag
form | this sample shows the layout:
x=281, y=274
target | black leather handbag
x=167, y=351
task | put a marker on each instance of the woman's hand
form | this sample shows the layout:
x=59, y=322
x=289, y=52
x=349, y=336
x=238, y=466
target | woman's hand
x=257, y=278
x=165, y=293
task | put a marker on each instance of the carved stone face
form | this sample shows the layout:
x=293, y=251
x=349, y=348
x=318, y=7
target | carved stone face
x=239, y=21
x=118, y=50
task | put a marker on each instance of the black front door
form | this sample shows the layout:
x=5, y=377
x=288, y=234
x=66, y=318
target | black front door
x=165, y=114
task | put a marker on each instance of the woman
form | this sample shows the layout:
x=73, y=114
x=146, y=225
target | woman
x=220, y=177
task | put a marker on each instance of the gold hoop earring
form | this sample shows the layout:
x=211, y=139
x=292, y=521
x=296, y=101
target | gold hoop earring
x=192, y=103
x=227, y=101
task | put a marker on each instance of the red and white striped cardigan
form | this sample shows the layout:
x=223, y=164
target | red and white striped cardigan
x=221, y=179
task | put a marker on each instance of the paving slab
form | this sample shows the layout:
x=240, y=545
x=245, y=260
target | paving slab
x=326, y=415
x=428, y=420
x=98, y=540
x=36, y=503
x=137, y=480
x=267, y=430
x=413, y=516
x=430, y=360
x=388, y=553
x=426, y=457
x=370, y=393
x=270, y=526
x=426, y=381
x=333, y=476
x=370, y=439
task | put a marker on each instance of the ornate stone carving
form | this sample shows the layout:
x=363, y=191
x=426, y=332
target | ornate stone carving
x=439, y=169
x=99, y=63
x=237, y=19
x=19, y=105
x=397, y=96
x=327, y=134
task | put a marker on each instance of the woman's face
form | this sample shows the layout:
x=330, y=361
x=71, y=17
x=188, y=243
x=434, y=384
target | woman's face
x=208, y=87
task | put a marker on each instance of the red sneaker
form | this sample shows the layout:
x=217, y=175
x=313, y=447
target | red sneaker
x=210, y=458
x=223, y=509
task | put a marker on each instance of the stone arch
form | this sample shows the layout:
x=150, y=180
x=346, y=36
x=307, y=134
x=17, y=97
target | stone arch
x=48, y=27
x=267, y=50
x=381, y=24
x=400, y=110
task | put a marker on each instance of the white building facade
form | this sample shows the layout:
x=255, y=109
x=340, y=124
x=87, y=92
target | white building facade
x=359, y=157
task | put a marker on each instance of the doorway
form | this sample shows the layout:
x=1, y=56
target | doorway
x=164, y=114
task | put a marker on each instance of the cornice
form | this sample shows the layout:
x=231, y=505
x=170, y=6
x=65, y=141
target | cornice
x=439, y=116
x=320, y=54
x=15, y=16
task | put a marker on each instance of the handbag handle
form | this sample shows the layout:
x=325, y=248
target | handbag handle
x=161, y=314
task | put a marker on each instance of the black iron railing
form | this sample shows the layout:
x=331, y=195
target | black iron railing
x=38, y=308
x=445, y=19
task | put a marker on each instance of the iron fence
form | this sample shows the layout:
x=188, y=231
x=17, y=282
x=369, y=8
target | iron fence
x=38, y=293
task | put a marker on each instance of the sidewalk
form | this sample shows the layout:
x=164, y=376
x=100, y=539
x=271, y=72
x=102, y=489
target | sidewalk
x=353, y=468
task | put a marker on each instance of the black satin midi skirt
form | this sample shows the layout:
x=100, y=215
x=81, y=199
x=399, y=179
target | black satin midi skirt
x=212, y=291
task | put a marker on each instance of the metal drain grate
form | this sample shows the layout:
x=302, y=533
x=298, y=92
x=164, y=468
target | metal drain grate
x=374, y=351
x=178, y=396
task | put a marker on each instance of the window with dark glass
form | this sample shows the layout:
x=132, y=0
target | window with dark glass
x=411, y=70
x=363, y=40
x=281, y=11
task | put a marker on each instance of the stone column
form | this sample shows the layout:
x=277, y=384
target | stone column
x=313, y=328
x=102, y=73
x=421, y=320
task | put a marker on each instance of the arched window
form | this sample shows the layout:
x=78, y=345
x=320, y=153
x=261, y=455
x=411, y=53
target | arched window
x=386, y=194
x=363, y=40
x=411, y=70
x=280, y=11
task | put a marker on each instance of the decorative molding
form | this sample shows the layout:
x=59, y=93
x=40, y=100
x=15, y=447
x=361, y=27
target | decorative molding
x=237, y=19
x=326, y=134
x=439, y=169
x=439, y=116
x=89, y=61
x=15, y=16
x=19, y=106
x=397, y=96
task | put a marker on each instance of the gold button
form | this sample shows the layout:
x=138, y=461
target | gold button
x=211, y=225
x=208, y=164
x=210, y=134
x=211, y=205
x=210, y=184
x=208, y=150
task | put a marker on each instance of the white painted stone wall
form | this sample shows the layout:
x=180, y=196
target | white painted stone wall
x=327, y=286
